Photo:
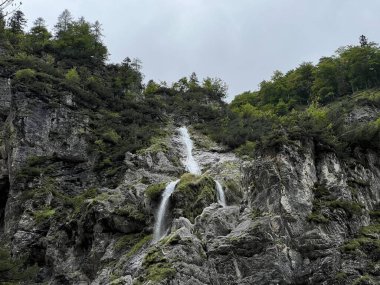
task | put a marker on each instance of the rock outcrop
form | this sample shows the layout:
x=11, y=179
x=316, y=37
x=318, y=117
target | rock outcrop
x=300, y=214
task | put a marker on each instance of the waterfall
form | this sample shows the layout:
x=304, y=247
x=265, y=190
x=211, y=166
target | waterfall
x=220, y=192
x=159, y=227
x=190, y=164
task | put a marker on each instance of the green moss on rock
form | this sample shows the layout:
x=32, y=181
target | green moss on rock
x=153, y=192
x=193, y=194
x=131, y=211
x=233, y=191
x=367, y=242
x=350, y=207
x=156, y=267
x=137, y=246
x=133, y=242
x=43, y=214
x=317, y=218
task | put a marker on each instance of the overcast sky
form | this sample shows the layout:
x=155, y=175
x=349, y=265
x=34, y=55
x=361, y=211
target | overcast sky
x=240, y=41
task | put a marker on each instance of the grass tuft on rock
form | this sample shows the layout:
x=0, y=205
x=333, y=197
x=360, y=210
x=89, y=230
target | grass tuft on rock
x=43, y=214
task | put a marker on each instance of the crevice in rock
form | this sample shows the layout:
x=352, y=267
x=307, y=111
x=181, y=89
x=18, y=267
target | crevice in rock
x=4, y=191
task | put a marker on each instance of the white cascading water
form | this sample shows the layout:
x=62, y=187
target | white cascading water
x=159, y=228
x=220, y=192
x=190, y=164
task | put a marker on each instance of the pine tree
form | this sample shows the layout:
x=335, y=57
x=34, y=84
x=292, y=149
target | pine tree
x=97, y=30
x=17, y=22
x=64, y=22
x=363, y=41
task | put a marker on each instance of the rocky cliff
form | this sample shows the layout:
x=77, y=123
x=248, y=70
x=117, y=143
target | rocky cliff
x=296, y=214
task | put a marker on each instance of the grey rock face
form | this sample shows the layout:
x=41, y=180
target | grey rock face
x=292, y=216
x=270, y=238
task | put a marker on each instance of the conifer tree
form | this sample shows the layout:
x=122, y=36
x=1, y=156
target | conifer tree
x=17, y=22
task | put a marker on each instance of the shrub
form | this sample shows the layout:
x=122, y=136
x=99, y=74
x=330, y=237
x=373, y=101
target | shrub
x=247, y=149
x=15, y=270
x=317, y=218
x=351, y=208
x=26, y=74
x=111, y=136
x=72, y=75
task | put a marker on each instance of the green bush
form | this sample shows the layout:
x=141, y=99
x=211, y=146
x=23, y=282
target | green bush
x=72, y=75
x=26, y=74
x=248, y=148
x=137, y=246
x=76, y=202
x=111, y=136
x=320, y=191
x=364, y=280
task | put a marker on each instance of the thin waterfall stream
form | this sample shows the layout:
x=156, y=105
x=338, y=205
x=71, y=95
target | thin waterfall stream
x=220, y=192
x=159, y=228
x=191, y=166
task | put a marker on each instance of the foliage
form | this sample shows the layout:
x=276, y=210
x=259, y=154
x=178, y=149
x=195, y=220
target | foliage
x=132, y=241
x=17, y=22
x=75, y=202
x=137, y=246
x=154, y=191
x=311, y=101
x=367, y=240
x=72, y=75
x=14, y=270
x=76, y=42
x=156, y=267
x=43, y=214
x=26, y=74
x=351, y=208
x=131, y=211
x=317, y=218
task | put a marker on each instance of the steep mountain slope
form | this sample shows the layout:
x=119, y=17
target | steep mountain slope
x=87, y=151
x=299, y=214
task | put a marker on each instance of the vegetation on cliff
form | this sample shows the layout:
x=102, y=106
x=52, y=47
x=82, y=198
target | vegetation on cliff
x=68, y=67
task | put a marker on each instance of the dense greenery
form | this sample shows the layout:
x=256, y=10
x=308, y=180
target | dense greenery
x=311, y=101
x=124, y=114
x=71, y=61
